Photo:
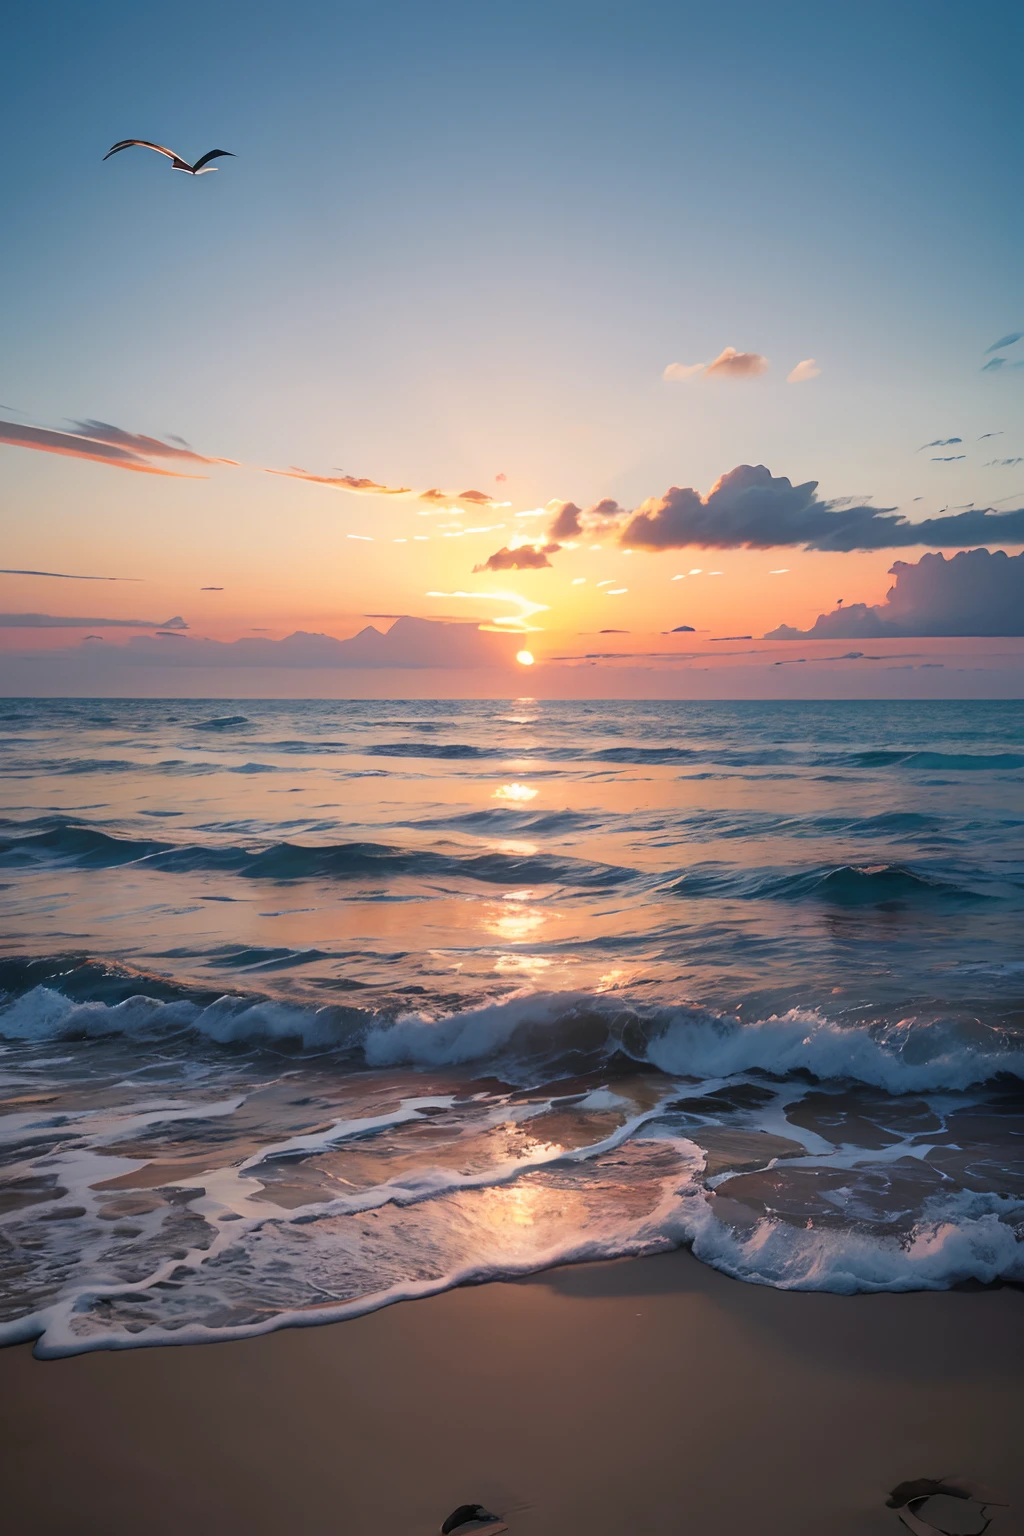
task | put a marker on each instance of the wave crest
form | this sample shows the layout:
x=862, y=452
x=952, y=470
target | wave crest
x=537, y=1036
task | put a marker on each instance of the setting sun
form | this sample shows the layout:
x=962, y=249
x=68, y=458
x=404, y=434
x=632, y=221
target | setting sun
x=525, y=658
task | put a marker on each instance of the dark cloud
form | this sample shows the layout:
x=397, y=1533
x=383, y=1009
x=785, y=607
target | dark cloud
x=566, y=524
x=58, y=621
x=940, y=442
x=99, y=450
x=572, y=523
x=602, y=515
x=997, y=363
x=1004, y=341
x=146, y=447
x=68, y=576
x=683, y=629
x=445, y=498
x=949, y=459
x=211, y=589
x=983, y=436
x=1003, y=463
x=974, y=593
x=526, y=558
x=343, y=482
x=753, y=509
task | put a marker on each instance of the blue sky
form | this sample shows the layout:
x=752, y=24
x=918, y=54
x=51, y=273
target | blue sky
x=465, y=239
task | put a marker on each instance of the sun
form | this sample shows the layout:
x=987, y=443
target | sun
x=525, y=658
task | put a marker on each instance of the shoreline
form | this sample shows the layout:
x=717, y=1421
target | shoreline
x=637, y=1395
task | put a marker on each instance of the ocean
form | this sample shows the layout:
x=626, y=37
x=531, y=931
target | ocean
x=309, y=1007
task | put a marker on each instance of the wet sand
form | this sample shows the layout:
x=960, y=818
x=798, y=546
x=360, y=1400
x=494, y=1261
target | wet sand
x=642, y=1396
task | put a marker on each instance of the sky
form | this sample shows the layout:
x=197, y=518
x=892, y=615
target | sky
x=551, y=253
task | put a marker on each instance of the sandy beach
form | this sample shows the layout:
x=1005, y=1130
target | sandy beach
x=652, y=1395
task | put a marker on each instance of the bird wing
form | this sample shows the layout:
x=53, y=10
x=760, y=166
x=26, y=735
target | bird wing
x=127, y=144
x=212, y=154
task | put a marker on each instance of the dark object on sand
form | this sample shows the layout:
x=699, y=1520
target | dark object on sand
x=914, y=1500
x=201, y=168
x=470, y=1517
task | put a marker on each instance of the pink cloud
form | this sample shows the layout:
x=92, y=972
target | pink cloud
x=731, y=364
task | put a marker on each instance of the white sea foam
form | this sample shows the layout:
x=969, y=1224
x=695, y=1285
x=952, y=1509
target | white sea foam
x=304, y=1267
x=909, y=1056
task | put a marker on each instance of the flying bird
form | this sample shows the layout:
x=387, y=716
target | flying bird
x=177, y=163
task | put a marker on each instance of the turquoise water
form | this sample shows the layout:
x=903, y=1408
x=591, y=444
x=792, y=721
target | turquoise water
x=310, y=1006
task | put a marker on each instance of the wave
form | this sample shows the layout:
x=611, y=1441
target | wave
x=957, y=762
x=846, y=885
x=506, y=820
x=247, y=1267
x=454, y=750
x=716, y=756
x=83, y=847
x=528, y=1037
x=790, y=762
x=446, y=1242
x=71, y=766
x=299, y=747
x=222, y=723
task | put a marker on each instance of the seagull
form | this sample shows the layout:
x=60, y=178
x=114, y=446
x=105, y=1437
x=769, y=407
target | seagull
x=199, y=169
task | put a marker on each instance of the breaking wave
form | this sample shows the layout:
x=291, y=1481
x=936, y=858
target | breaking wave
x=528, y=1037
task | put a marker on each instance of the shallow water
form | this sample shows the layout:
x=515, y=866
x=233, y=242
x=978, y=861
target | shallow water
x=310, y=1006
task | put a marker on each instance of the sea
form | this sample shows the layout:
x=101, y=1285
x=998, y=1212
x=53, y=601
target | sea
x=311, y=1007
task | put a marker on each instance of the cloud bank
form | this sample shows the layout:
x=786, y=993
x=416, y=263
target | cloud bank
x=409, y=643
x=975, y=593
x=749, y=508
